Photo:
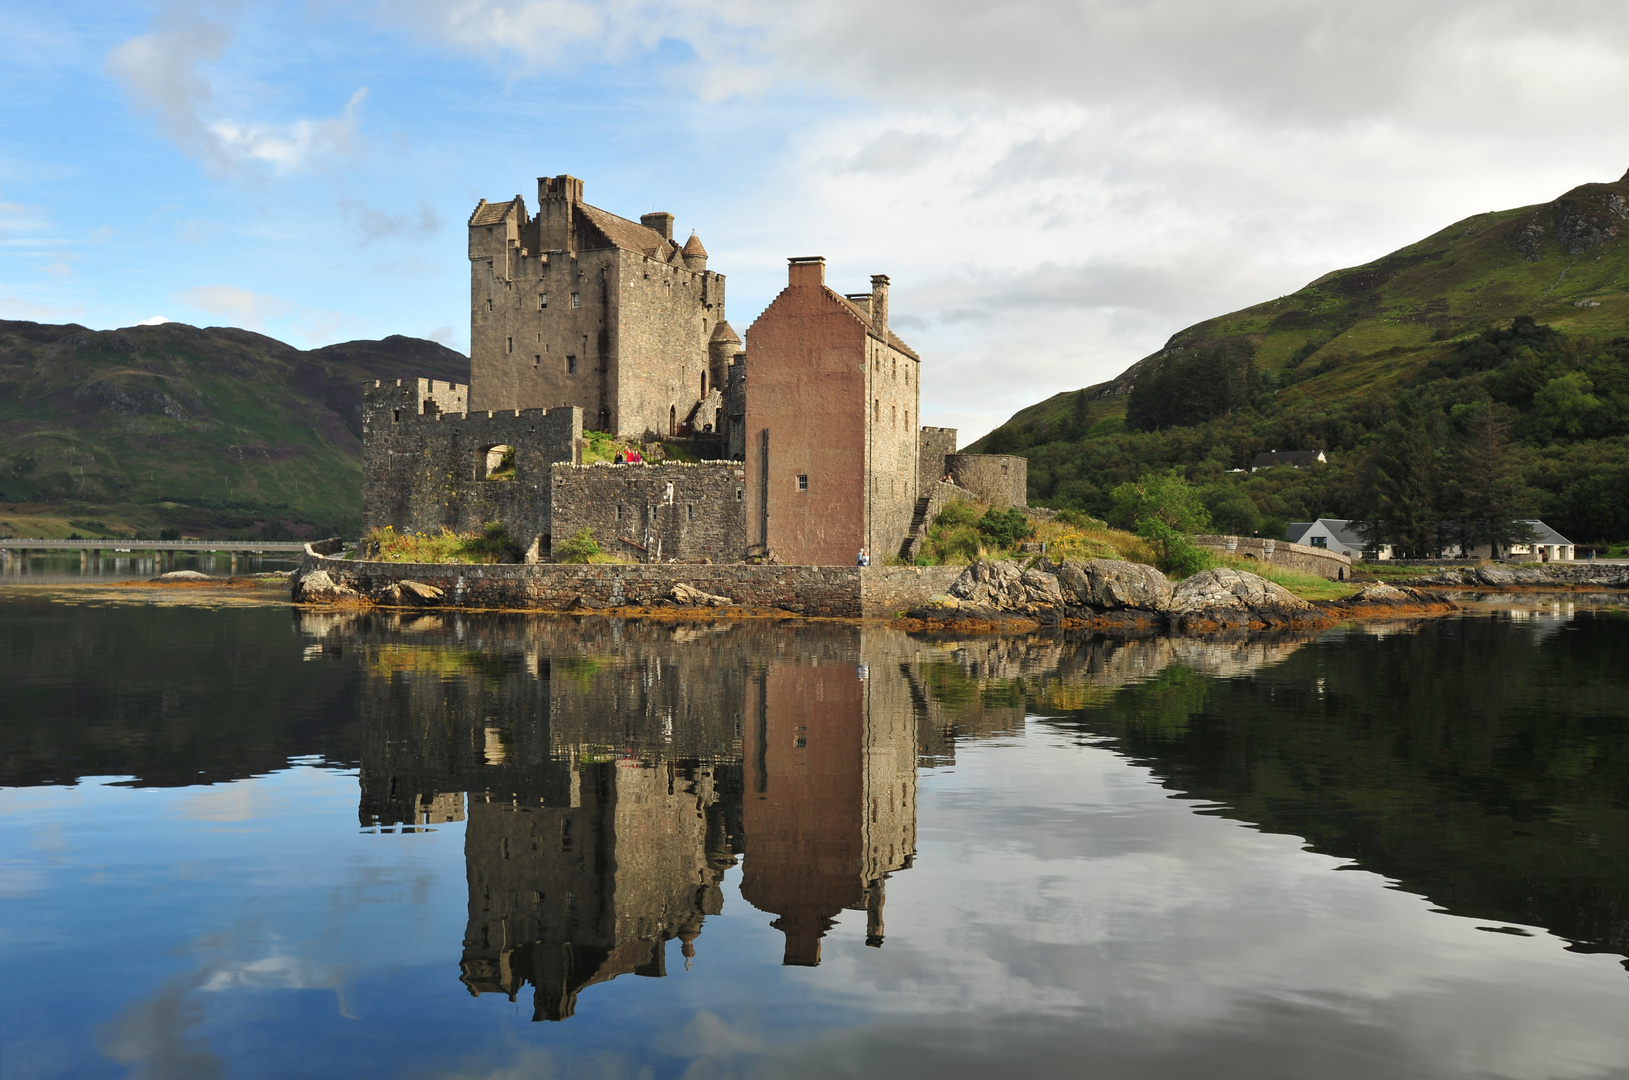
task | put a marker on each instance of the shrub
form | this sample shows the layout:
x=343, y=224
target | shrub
x=957, y=512
x=1006, y=528
x=1176, y=552
x=581, y=548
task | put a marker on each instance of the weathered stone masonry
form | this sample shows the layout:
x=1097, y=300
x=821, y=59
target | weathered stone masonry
x=426, y=467
x=685, y=512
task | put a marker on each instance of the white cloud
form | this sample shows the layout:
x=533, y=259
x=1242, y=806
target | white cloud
x=249, y=309
x=166, y=72
x=153, y=320
x=15, y=307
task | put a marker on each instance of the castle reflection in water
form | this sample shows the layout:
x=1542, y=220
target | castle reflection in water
x=609, y=774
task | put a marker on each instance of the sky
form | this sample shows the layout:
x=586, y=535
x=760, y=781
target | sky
x=1055, y=188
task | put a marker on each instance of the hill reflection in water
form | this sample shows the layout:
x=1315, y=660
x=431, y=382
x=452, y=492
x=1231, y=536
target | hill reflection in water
x=612, y=772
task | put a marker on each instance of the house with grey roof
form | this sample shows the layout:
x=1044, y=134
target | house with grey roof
x=1337, y=535
x=1547, y=545
x=1295, y=459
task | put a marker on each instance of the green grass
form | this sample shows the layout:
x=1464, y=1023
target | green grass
x=1306, y=586
x=491, y=545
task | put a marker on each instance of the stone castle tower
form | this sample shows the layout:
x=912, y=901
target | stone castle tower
x=580, y=307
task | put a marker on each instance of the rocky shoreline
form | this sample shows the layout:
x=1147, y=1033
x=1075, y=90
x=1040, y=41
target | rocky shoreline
x=1111, y=594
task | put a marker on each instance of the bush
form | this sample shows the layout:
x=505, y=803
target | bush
x=1006, y=528
x=956, y=512
x=1176, y=553
x=492, y=545
x=581, y=548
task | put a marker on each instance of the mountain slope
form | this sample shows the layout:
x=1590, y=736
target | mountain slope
x=1327, y=366
x=214, y=431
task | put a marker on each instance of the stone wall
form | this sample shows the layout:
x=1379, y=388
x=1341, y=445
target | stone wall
x=1297, y=557
x=425, y=470
x=936, y=444
x=688, y=513
x=1001, y=480
x=850, y=592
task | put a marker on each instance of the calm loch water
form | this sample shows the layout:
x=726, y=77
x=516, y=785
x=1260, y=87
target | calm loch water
x=243, y=841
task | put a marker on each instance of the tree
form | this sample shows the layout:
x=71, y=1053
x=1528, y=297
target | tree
x=1164, y=508
x=1397, y=497
x=1189, y=387
x=1487, y=496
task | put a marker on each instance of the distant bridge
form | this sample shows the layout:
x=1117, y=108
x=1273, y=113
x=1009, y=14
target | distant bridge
x=91, y=550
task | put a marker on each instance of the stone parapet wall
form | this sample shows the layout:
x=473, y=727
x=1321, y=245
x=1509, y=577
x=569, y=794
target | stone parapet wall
x=690, y=513
x=936, y=444
x=1001, y=480
x=1298, y=557
x=850, y=592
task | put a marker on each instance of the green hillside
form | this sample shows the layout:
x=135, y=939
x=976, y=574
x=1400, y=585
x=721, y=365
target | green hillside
x=1421, y=340
x=214, y=432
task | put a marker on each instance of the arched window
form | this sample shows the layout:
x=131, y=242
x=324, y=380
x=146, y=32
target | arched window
x=672, y=420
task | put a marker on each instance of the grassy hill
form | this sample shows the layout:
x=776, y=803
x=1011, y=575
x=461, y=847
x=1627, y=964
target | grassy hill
x=1330, y=366
x=215, y=432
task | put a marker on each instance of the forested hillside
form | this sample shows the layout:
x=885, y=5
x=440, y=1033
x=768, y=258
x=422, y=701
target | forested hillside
x=210, y=432
x=1487, y=362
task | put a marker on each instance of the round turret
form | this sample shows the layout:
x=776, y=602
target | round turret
x=695, y=256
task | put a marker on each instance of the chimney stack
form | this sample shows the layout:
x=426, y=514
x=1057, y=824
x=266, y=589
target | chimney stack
x=879, y=305
x=661, y=222
x=807, y=270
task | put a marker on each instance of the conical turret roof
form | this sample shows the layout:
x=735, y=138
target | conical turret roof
x=693, y=246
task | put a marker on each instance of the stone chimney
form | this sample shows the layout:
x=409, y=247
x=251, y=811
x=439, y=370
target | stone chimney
x=557, y=200
x=879, y=305
x=661, y=222
x=806, y=270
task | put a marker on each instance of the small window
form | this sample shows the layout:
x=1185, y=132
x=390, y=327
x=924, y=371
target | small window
x=511, y=344
x=690, y=511
x=740, y=494
x=489, y=303
x=396, y=417
x=619, y=511
x=1320, y=541
x=876, y=409
x=543, y=302
x=571, y=365
x=576, y=300
x=537, y=360
x=803, y=481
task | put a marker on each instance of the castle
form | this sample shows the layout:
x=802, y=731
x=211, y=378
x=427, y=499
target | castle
x=810, y=436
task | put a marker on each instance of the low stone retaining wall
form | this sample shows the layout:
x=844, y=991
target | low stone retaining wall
x=1297, y=557
x=852, y=592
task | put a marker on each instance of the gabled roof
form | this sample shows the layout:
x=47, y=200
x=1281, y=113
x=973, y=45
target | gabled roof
x=496, y=213
x=1544, y=534
x=1342, y=530
x=1298, y=529
x=861, y=314
x=629, y=235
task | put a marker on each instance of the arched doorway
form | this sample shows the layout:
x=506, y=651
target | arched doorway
x=672, y=420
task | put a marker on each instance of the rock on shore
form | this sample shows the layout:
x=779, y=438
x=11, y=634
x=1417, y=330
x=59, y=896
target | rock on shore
x=1109, y=592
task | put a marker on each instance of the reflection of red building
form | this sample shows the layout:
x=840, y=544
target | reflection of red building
x=829, y=807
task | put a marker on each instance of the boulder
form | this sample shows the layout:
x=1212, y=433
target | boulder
x=690, y=596
x=1006, y=586
x=1226, y=598
x=184, y=575
x=419, y=594
x=1111, y=584
x=319, y=587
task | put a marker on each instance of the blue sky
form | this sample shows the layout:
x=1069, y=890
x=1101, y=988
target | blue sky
x=1054, y=188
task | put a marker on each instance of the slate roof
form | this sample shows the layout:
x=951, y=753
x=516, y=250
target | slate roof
x=1545, y=534
x=493, y=213
x=629, y=235
x=1297, y=530
x=724, y=332
x=861, y=314
x=693, y=246
x=1297, y=458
